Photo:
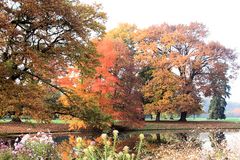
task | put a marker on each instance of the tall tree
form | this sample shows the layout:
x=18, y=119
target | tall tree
x=113, y=87
x=38, y=41
x=182, y=51
x=131, y=77
x=217, y=108
x=95, y=92
x=128, y=95
x=218, y=103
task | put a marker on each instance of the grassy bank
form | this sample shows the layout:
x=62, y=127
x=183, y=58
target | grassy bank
x=55, y=121
x=175, y=125
x=228, y=119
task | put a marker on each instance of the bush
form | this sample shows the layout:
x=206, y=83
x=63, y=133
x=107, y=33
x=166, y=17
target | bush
x=40, y=146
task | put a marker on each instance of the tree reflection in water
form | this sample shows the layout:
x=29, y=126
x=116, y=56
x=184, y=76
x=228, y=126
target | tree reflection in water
x=219, y=145
x=161, y=138
x=178, y=138
x=217, y=139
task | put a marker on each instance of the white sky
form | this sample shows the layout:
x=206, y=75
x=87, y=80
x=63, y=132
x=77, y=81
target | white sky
x=222, y=18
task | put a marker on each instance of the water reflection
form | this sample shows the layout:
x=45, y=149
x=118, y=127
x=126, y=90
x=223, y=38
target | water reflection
x=163, y=137
x=9, y=141
x=207, y=140
x=217, y=139
x=219, y=145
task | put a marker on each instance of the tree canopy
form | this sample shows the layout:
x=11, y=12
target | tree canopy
x=180, y=53
x=39, y=40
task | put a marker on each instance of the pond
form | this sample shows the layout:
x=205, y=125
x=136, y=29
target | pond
x=204, y=141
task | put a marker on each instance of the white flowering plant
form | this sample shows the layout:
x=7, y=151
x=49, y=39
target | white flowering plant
x=40, y=146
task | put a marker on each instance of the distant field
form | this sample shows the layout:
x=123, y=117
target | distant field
x=229, y=119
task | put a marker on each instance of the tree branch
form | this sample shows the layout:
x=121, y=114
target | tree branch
x=48, y=83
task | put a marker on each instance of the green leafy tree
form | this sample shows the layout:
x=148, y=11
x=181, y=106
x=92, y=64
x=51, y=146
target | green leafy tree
x=217, y=108
x=218, y=102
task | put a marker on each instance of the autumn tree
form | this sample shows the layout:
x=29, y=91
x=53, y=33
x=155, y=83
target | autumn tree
x=124, y=32
x=112, y=88
x=92, y=93
x=159, y=92
x=38, y=41
x=182, y=51
x=132, y=77
x=128, y=96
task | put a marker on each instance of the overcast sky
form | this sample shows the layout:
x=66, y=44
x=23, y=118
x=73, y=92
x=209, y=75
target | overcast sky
x=222, y=18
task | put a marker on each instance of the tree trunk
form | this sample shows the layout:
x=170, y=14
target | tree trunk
x=183, y=117
x=158, y=117
x=16, y=120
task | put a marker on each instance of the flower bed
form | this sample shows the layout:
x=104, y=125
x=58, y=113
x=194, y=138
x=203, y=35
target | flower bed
x=42, y=147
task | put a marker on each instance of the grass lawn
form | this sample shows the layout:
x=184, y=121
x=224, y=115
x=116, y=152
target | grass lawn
x=228, y=119
x=190, y=125
x=59, y=121
x=58, y=125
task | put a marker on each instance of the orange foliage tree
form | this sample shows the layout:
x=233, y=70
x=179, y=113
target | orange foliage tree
x=192, y=64
x=110, y=88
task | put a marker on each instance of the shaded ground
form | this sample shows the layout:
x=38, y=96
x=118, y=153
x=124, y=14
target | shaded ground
x=6, y=128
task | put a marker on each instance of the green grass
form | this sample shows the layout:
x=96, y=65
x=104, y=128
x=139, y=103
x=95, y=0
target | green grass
x=5, y=120
x=55, y=121
x=59, y=121
x=228, y=119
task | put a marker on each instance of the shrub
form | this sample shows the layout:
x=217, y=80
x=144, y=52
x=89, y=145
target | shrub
x=40, y=146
